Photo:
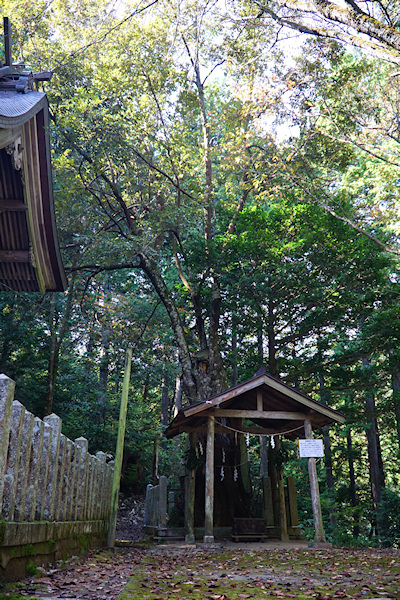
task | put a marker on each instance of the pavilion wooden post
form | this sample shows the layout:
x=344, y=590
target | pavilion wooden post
x=190, y=496
x=282, y=503
x=315, y=500
x=209, y=504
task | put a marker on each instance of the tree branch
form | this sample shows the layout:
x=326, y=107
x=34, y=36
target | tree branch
x=383, y=39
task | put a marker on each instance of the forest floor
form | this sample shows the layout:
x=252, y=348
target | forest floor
x=179, y=572
x=232, y=572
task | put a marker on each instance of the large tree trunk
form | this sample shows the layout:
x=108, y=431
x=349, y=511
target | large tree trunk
x=190, y=381
x=377, y=477
x=234, y=348
x=164, y=396
x=272, y=361
x=353, y=485
x=260, y=338
x=56, y=341
x=396, y=400
x=330, y=482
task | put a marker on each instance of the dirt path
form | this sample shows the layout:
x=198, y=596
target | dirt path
x=99, y=575
x=195, y=573
x=261, y=573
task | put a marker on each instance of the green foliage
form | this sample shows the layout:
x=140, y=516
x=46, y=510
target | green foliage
x=389, y=518
x=31, y=569
x=285, y=231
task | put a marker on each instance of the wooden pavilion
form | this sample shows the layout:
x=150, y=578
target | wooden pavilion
x=262, y=405
x=29, y=252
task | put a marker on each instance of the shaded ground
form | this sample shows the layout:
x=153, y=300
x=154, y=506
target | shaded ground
x=195, y=573
x=97, y=576
x=130, y=518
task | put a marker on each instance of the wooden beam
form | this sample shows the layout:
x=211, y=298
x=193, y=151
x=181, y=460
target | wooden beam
x=209, y=499
x=219, y=428
x=7, y=41
x=259, y=399
x=292, y=497
x=309, y=402
x=228, y=395
x=314, y=488
x=282, y=508
x=19, y=256
x=275, y=385
x=34, y=199
x=190, y=496
x=260, y=414
x=8, y=136
x=12, y=205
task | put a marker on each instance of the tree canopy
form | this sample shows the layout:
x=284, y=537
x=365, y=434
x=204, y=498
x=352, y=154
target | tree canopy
x=224, y=199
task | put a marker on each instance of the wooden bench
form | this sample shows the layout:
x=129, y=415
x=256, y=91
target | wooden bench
x=248, y=529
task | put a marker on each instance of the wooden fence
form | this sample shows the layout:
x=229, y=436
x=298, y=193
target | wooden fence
x=55, y=497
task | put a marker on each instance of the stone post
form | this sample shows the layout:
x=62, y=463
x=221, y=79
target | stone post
x=82, y=444
x=26, y=449
x=14, y=454
x=55, y=423
x=7, y=387
x=43, y=473
x=162, y=505
x=101, y=460
x=34, y=469
x=59, y=481
x=90, y=488
x=72, y=499
x=66, y=480
x=147, y=506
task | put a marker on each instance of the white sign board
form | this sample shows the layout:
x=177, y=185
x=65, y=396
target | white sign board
x=311, y=448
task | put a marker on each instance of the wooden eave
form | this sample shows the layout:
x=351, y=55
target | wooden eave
x=30, y=258
x=262, y=404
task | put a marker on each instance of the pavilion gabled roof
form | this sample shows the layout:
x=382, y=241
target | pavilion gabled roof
x=264, y=404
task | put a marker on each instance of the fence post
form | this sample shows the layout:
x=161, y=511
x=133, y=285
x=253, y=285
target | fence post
x=82, y=478
x=43, y=473
x=34, y=469
x=55, y=423
x=71, y=496
x=101, y=457
x=14, y=453
x=23, y=471
x=7, y=387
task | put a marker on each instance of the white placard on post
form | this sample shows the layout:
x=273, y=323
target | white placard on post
x=311, y=448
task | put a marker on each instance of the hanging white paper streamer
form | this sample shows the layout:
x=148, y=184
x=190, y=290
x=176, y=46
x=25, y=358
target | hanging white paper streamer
x=201, y=448
x=235, y=474
x=248, y=439
x=222, y=473
x=272, y=441
x=223, y=455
